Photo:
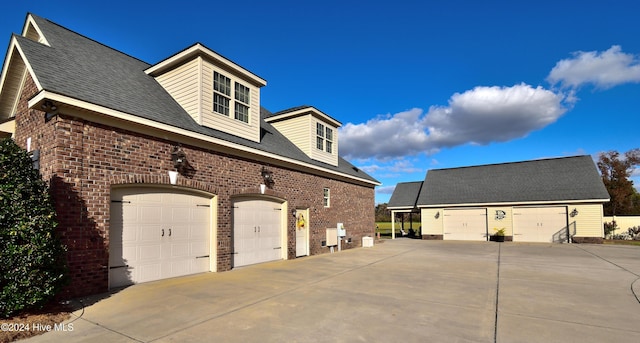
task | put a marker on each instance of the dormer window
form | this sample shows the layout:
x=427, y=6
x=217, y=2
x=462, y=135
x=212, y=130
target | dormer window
x=242, y=103
x=320, y=136
x=222, y=92
x=329, y=138
x=324, y=138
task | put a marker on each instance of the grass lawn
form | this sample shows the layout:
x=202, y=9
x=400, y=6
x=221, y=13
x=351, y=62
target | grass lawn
x=621, y=242
x=384, y=228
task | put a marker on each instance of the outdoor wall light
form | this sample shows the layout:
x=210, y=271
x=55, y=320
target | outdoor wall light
x=50, y=109
x=437, y=215
x=178, y=157
x=267, y=177
x=293, y=212
x=574, y=212
x=49, y=106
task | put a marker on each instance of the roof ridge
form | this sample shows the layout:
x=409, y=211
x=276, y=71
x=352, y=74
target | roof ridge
x=512, y=162
x=37, y=17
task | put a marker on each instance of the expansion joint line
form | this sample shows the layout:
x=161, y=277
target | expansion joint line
x=495, y=328
x=619, y=266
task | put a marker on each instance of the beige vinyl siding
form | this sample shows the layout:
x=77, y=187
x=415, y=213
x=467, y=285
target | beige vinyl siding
x=183, y=84
x=323, y=155
x=8, y=127
x=430, y=224
x=12, y=85
x=250, y=130
x=588, y=222
x=297, y=131
x=494, y=222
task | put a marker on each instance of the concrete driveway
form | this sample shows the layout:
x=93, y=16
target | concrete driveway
x=398, y=291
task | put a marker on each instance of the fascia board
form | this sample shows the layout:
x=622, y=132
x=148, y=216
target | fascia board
x=199, y=49
x=33, y=23
x=198, y=138
x=522, y=203
x=304, y=111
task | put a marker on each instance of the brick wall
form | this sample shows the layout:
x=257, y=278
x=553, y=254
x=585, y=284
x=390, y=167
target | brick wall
x=82, y=160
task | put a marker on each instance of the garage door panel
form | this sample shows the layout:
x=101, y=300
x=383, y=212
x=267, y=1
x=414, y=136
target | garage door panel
x=465, y=224
x=153, y=231
x=257, y=231
x=540, y=224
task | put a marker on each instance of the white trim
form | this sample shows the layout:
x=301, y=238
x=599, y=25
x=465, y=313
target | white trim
x=303, y=111
x=42, y=39
x=41, y=96
x=199, y=49
x=515, y=203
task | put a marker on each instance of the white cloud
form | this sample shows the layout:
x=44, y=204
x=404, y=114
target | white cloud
x=478, y=116
x=385, y=189
x=602, y=69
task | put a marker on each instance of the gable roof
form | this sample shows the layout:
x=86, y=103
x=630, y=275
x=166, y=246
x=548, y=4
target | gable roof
x=569, y=179
x=72, y=66
x=405, y=195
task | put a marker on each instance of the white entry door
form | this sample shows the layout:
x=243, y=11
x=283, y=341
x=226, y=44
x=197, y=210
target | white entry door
x=257, y=231
x=465, y=224
x=156, y=234
x=302, y=233
x=540, y=224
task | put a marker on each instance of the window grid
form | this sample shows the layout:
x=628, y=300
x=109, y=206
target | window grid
x=329, y=138
x=241, y=112
x=242, y=93
x=220, y=104
x=320, y=136
x=221, y=83
x=327, y=197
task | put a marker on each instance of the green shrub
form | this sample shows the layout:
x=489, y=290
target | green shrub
x=32, y=261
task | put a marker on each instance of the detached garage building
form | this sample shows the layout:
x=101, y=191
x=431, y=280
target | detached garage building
x=174, y=168
x=550, y=200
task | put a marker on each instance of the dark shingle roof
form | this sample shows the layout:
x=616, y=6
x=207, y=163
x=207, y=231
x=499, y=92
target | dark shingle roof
x=549, y=180
x=405, y=195
x=81, y=68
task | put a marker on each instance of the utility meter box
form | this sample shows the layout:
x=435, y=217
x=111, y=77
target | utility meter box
x=341, y=231
x=332, y=237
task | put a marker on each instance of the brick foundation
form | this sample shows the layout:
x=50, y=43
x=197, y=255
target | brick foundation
x=588, y=240
x=433, y=237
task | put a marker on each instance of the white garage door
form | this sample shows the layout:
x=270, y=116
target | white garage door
x=540, y=224
x=465, y=224
x=156, y=234
x=257, y=231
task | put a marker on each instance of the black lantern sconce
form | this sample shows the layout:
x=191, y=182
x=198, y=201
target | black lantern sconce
x=267, y=177
x=574, y=212
x=294, y=212
x=437, y=215
x=50, y=109
x=179, y=158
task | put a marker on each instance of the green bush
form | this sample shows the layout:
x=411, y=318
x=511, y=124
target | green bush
x=32, y=260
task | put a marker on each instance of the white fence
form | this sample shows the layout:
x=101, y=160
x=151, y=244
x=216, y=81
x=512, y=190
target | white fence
x=623, y=222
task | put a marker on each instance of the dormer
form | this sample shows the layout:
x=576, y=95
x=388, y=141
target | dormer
x=309, y=129
x=216, y=92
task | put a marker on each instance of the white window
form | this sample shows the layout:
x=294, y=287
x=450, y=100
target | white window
x=319, y=136
x=329, y=138
x=222, y=91
x=222, y=98
x=327, y=197
x=242, y=103
x=324, y=138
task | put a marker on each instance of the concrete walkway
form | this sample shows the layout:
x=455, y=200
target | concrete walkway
x=398, y=291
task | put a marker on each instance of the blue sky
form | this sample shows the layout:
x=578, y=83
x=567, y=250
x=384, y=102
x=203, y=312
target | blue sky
x=417, y=85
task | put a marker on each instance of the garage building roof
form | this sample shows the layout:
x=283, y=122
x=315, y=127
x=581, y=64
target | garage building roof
x=568, y=179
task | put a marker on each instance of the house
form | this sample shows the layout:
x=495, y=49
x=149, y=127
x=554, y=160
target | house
x=548, y=200
x=173, y=168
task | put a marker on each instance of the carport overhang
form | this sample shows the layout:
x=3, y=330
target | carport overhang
x=395, y=210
